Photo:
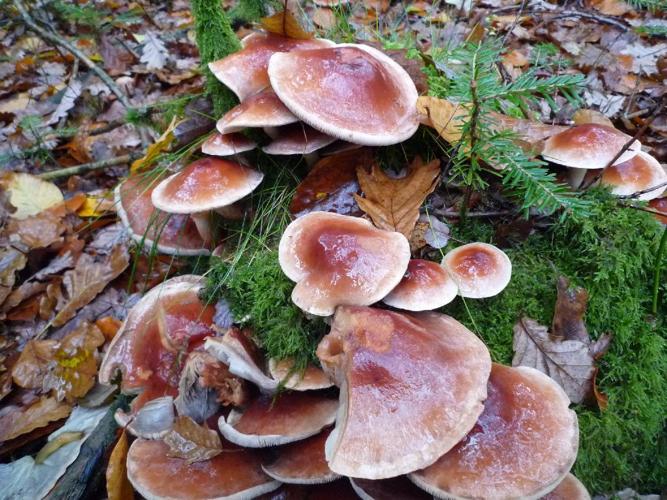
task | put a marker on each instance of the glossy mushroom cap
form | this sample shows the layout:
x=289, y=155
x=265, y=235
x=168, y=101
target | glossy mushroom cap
x=292, y=416
x=244, y=72
x=302, y=462
x=395, y=488
x=297, y=139
x=233, y=474
x=659, y=205
x=263, y=109
x=227, y=145
x=312, y=378
x=340, y=260
x=352, y=92
x=588, y=146
x=145, y=354
x=411, y=387
x=425, y=286
x=205, y=184
x=523, y=445
x=570, y=488
x=480, y=270
x=636, y=174
x=170, y=234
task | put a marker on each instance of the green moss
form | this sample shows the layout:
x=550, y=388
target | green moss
x=611, y=254
x=216, y=39
x=247, y=11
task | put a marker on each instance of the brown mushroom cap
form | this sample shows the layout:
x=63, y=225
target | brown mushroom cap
x=480, y=270
x=312, y=378
x=340, y=260
x=170, y=234
x=395, y=488
x=570, y=488
x=425, y=286
x=244, y=72
x=659, y=205
x=639, y=173
x=302, y=462
x=522, y=446
x=411, y=387
x=227, y=145
x=297, y=139
x=205, y=184
x=290, y=417
x=352, y=92
x=263, y=109
x=588, y=146
x=148, y=360
x=233, y=475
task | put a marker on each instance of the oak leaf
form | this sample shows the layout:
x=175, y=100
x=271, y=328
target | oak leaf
x=18, y=420
x=192, y=442
x=567, y=353
x=285, y=24
x=393, y=204
x=118, y=486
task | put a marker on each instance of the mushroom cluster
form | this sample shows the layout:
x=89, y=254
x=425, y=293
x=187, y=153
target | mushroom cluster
x=309, y=93
x=588, y=148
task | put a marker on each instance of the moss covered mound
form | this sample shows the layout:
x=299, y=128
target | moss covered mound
x=611, y=254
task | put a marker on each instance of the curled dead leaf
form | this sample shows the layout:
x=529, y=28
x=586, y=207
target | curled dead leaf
x=446, y=117
x=285, y=24
x=118, y=486
x=191, y=441
x=17, y=420
x=153, y=151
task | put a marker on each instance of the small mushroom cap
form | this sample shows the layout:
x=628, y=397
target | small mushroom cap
x=312, y=378
x=227, y=144
x=297, y=139
x=395, y=488
x=639, y=173
x=352, y=92
x=234, y=475
x=425, y=286
x=480, y=270
x=205, y=184
x=138, y=350
x=302, y=462
x=570, y=488
x=244, y=72
x=340, y=260
x=588, y=146
x=152, y=421
x=523, y=445
x=411, y=387
x=263, y=109
x=290, y=417
x=659, y=205
x=169, y=234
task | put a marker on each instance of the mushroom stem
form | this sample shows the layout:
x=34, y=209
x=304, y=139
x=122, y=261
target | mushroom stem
x=575, y=177
x=311, y=159
x=203, y=222
x=658, y=269
x=231, y=212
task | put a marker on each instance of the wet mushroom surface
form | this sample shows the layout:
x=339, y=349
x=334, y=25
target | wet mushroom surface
x=480, y=270
x=425, y=286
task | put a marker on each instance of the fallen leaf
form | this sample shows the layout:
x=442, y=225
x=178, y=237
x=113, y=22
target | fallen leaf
x=611, y=7
x=331, y=184
x=55, y=444
x=567, y=354
x=393, y=204
x=153, y=53
x=83, y=283
x=11, y=261
x=284, y=23
x=118, y=486
x=96, y=206
x=446, y=117
x=69, y=96
x=191, y=441
x=109, y=326
x=16, y=421
x=116, y=60
x=30, y=194
x=582, y=116
x=153, y=151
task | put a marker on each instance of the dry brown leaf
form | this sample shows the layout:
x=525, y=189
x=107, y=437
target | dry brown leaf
x=285, y=24
x=611, y=7
x=446, y=117
x=118, y=486
x=16, y=421
x=191, y=441
x=83, y=283
x=566, y=354
x=11, y=261
x=583, y=116
x=163, y=143
x=393, y=204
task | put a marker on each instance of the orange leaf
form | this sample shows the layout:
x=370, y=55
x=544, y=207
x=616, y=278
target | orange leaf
x=109, y=326
x=154, y=150
x=118, y=486
x=285, y=24
x=17, y=421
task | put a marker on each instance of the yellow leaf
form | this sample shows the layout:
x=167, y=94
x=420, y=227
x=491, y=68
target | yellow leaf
x=153, y=151
x=95, y=206
x=583, y=116
x=446, y=117
x=285, y=24
x=55, y=444
x=30, y=194
x=393, y=204
x=118, y=486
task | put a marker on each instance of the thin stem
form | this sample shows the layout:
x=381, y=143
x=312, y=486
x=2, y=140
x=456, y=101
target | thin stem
x=658, y=269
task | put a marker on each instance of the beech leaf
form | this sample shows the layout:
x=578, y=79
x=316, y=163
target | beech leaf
x=393, y=204
x=16, y=421
x=29, y=194
x=446, y=117
x=191, y=441
x=285, y=24
x=118, y=486
x=567, y=353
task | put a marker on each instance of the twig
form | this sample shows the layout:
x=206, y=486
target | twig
x=626, y=146
x=642, y=209
x=456, y=214
x=567, y=13
x=658, y=269
x=86, y=167
x=643, y=191
x=54, y=38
